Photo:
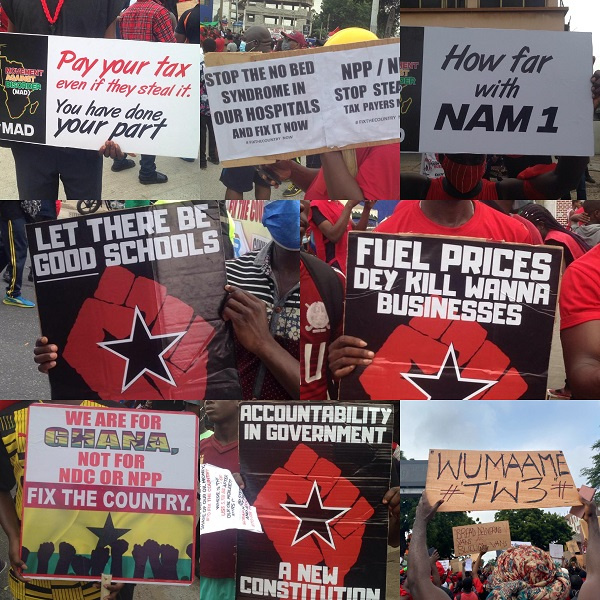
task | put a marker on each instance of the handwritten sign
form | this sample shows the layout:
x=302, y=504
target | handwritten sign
x=494, y=480
x=494, y=91
x=79, y=92
x=556, y=550
x=470, y=538
x=275, y=105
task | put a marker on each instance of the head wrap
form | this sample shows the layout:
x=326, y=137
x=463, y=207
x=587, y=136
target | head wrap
x=527, y=573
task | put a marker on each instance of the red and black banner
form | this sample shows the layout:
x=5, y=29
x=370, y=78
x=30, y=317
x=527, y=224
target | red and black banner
x=317, y=474
x=450, y=318
x=132, y=300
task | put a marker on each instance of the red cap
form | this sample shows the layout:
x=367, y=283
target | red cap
x=297, y=37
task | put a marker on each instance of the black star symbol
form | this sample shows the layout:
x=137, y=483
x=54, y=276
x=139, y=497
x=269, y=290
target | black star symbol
x=314, y=517
x=107, y=534
x=448, y=384
x=143, y=352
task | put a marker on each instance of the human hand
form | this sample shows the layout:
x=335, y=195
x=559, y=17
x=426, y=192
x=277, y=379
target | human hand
x=425, y=511
x=591, y=510
x=282, y=169
x=239, y=480
x=581, y=218
x=113, y=588
x=45, y=355
x=483, y=549
x=392, y=499
x=346, y=353
x=248, y=315
x=434, y=557
x=111, y=149
x=16, y=562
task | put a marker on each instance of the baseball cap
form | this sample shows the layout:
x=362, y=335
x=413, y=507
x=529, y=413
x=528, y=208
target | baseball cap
x=259, y=35
x=297, y=37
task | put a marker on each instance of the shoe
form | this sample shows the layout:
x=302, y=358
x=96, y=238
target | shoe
x=156, y=178
x=203, y=165
x=291, y=191
x=188, y=159
x=123, y=165
x=6, y=276
x=590, y=179
x=17, y=301
x=214, y=160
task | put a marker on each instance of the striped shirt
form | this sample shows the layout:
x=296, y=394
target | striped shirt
x=253, y=274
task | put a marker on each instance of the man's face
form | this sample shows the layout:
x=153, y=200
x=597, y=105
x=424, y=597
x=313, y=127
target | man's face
x=304, y=208
x=592, y=213
x=221, y=411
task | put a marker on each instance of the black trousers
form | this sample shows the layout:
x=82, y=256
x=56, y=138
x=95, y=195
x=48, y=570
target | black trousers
x=206, y=126
x=13, y=252
x=39, y=169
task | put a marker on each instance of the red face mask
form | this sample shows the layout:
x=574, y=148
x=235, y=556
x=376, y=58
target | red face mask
x=462, y=177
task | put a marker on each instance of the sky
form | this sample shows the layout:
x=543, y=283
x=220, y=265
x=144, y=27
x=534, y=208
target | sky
x=570, y=426
x=585, y=16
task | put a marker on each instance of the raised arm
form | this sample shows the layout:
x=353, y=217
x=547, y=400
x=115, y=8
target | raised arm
x=591, y=587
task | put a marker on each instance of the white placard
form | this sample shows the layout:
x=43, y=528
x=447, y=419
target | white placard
x=556, y=550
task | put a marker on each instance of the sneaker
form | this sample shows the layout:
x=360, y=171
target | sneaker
x=291, y=191
x=188, y=159
x=214, y=160
x=122, y=165
x=590, y=179
x=17, y=301
x=156, y=178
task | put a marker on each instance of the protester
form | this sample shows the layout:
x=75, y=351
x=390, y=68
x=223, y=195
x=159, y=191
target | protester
x=13, y=436
x=576, y=209
x=38, y=167
x=554, y=234
x=330, y=222
x=580, y=325
x=589, y=230
x=13, y=251
x=218, y=550
x=148, y=21
x=206, y=124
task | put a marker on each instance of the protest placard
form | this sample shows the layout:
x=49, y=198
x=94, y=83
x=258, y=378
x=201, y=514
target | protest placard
x=316, y=473
x=470, y=538
x=456, y=565
x=80, y=92
x=250, y=233
x=494, y=480
x=132, y=299
x=445, y=564
x=110, y=490
x=450, y=318
x=517, y=544
x=556, y=550
x=288, y=104
x=493, y=91
x=223, y=504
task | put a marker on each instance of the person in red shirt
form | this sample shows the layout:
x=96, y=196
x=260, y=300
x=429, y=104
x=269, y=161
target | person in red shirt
x=218, y=550
x=580, y=325
x=220, y=41
x=554, y=233
x=330, y=222
x=459, y=218
x=464, y=179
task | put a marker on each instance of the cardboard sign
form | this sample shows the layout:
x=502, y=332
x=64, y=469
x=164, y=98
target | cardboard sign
x=79, y=92
x=493, y=91
x=450, y=318
x=456, y=565
x=110, y=491
x=556, y=550
x=469, y=480
x=132, y=299
x=223, y=504
x=316, y=474
x=268, y=106
x=470, y=538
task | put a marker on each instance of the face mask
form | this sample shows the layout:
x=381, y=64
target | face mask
x=462, y=177
x=282, y=219
x=285, y=45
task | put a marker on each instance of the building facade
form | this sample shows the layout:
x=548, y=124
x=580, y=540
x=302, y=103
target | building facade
x=497, y=14
x=279, y=15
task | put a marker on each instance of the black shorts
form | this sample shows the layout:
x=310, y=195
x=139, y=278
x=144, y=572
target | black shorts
x=242, y=179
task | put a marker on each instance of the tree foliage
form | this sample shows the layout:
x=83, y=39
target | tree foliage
x=354, y=13
x=592, y=474
x=439, y=531
x=536, y=526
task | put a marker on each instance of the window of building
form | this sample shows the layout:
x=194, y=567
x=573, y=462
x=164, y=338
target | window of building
x=288, y=22
x=271, y=5
x=432, y=3
x=510, y=3
x=250, y=17
x=270, y=20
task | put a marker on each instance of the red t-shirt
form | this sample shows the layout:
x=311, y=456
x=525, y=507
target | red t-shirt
x=580, y=291
x=335, y=254
x=220, y=42
x=315, y=336
x=469, y=596
x=436, y=191
x=218, y=550
x=378, y=174
x=486, y=223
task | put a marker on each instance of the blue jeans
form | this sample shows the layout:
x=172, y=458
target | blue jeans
x=13, y=252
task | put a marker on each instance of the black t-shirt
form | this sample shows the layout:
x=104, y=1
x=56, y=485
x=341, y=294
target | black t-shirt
x=11, y=209
x=78, y=18
x=189, y=25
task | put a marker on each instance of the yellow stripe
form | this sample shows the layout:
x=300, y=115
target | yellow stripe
x=13, y=259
